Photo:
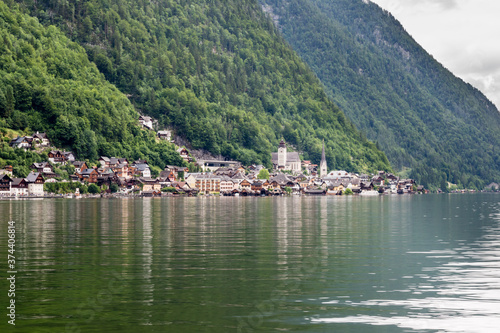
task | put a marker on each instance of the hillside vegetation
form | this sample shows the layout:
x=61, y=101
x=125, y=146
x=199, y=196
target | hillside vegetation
x=422, y=116
x=48, y=84
x=215, y=71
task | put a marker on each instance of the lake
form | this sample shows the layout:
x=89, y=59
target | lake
x=400, y=263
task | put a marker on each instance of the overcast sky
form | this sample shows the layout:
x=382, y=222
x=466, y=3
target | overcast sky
x=463, y=35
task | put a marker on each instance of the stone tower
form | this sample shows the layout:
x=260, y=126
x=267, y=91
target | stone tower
x=323, y=170
x=282, y=154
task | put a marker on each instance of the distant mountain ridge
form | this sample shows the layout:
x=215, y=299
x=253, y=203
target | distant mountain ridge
x=216, y=71
x=422, y=116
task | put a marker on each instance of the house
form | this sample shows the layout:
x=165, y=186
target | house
x=165, y=135
x=190, y=178
x=364, y=178
x=141, y=169
x=283, y=160
x=208, y=183
x=106, y=179
x=336, y=187
x=172, y=171
x=245, y=185
x=378, y=180
x=89, y=176
x=79, y=166
x=20, y=142
x=274, y=186
x=257, y=186
x=121, y=170
x=366, y=186
x=150, y=184
x=57, y=156
x=40, y=140
x=214, y=165
x=35, y=183
x=69, y=156
x=146, y=122
x=226, y=184
x=184, y=154
x=391, y=178
x=104, y=161
x=43, y=167
x=8, y=170
x=19, y=187
x=5, y=185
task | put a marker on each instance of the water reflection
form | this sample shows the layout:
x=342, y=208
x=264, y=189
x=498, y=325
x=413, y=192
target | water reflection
x=342, y=264
x=461, y=293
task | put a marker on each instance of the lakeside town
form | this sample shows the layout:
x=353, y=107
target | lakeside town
x=118, y=176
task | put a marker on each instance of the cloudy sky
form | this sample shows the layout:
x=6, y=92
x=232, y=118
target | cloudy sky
x=463, y=35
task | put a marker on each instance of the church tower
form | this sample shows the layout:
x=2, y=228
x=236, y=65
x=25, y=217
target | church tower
x=282, y=154
x=323, y=170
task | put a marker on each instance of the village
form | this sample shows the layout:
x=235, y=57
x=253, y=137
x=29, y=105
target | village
x=118, y=176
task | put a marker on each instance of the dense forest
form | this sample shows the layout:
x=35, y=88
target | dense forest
x=217, y=72
x=427, y=121
x=48, y=84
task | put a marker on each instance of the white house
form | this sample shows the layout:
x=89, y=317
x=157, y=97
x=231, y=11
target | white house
x=146, y=122
x=35, y=183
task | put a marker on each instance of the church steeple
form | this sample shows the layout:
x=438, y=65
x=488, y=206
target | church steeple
x=323, y=170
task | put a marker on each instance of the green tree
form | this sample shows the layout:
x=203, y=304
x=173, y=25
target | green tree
x=348, y=191
x=113, y=187
x=94, y=189
x=263, y=174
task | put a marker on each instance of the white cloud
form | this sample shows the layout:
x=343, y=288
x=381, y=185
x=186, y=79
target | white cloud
x=461, y=34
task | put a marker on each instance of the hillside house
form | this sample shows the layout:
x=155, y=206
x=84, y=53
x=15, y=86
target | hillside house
x=8, y=170
x=60, y=157
x=146, y=122
x=44, y=168
x=184, y=154
x=20, y=142
x=165, y=135
x=40, y=140
x=89, y=176
x=79, y=166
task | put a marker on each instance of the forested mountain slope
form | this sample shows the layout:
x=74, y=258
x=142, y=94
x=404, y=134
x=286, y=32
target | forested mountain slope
x=48, y=84
x=423, y=117
x=216, y=71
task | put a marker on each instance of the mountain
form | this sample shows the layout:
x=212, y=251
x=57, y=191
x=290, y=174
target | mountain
x=48, y=84
x=216, y=71
x=430, y=123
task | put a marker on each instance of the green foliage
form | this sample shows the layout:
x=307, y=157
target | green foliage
x=19, y=159
x=113, y=188
x=94, y=189
x=64, y=187
x=421, y=115
x=215, y=71
x=263, y=174
x=348, y=191
x=288, y=190
x=47, y=83
x=169, y=189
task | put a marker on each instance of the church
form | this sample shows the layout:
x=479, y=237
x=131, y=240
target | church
x=283, y=160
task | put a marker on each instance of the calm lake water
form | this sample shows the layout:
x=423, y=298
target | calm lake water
x=422, y=263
